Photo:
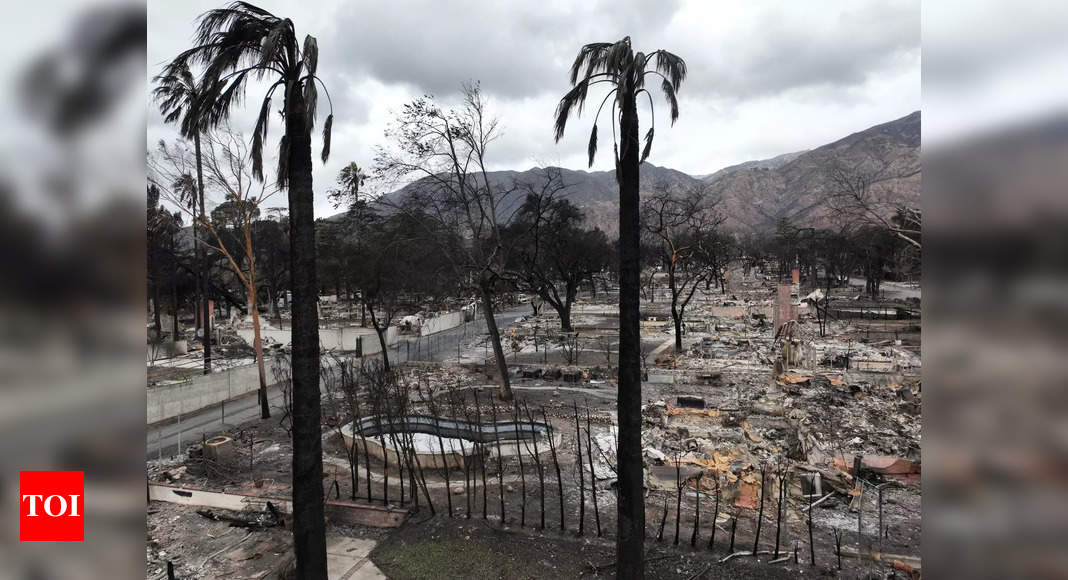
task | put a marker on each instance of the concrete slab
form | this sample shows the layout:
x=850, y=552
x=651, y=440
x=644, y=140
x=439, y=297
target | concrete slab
x=343, y=511
x=348, y=559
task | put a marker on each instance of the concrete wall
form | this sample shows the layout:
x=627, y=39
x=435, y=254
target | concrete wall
x=442, y=322
x=370, y=344
x=169, y=401
x=346, y=338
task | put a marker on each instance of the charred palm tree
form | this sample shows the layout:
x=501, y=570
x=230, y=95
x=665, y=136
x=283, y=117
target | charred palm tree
x=179, y=97
x=235, y=44
x=624, y=71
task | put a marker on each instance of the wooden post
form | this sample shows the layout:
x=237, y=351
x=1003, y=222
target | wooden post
x=500, y=462
x=734, y=527
x=385, y=454
x=444, y=461
x=522, y=473
x=422, y=475
x=467, y=464
x=537, y=462
x=811, y=544
x=760, y=513
x=838, y=546
x=697, y=512
x=367, y=465
x=582, y=483
x=354, y=452
x=715, y=518
x=678, y=498
x=593, y=477
x=778, y=512
x=556, y=465
x=881, y=530
x=482, y=450
x=663, y=521
x=396, y=451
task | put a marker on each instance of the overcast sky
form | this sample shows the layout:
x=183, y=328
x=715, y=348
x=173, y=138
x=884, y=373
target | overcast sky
x=765, y=78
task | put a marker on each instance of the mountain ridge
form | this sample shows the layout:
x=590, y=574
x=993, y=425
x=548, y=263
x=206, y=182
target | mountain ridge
x=753, y=195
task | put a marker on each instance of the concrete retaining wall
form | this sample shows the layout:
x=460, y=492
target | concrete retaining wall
x=170, y=401
x=442, y=322
x=347, y=338
x=369, y=342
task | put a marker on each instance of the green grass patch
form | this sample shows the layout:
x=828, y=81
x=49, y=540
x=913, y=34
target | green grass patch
x=446, y=560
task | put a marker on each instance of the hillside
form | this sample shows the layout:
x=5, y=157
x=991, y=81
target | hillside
x=754, y=195
x=756, y=198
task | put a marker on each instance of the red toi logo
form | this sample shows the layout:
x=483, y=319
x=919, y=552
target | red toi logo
x=51, y=506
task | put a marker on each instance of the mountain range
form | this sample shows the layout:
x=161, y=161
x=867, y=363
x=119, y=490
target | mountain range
x=755, y=195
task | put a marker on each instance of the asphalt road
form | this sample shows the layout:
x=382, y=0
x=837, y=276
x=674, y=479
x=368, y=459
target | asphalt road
x=166, y=439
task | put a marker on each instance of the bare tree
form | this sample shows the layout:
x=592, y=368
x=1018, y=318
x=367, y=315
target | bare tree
x=162, y=228
x=227, y=170
x=571, y=345
x=446, y=151
x=680, y=230
x=862, y=192
x=282, y=371
x=396, y=264
x=553, y=254
x=341, y=383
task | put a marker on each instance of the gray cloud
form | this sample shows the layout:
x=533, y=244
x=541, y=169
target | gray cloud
x=765, y=77
x=515, y=49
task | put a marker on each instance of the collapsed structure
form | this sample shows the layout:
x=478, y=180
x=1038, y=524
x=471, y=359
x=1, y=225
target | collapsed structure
x=786, y=424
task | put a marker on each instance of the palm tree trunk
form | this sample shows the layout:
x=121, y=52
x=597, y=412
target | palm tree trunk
x=174, y=292
x=504, y=388
x=309, y=533
x=203, y=276
x=630, y=520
